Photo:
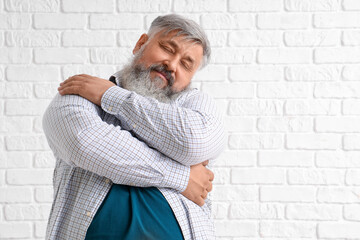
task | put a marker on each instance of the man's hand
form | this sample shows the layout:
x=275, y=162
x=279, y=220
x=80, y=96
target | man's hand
x=89, y=87
x=200, y=183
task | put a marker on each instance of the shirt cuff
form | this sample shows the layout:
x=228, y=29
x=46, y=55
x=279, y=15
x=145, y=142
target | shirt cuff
x=113, y=98
x=178, y=177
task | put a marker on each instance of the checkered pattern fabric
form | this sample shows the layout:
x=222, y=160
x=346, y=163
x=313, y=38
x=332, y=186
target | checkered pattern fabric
x=130, y=140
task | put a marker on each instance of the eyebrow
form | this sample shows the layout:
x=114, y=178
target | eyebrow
x=176, y=46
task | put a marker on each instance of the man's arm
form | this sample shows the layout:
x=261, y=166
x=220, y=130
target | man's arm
x=78, y=136
x=189, y=133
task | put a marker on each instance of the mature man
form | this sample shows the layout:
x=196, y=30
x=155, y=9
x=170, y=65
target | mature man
x=131, y=153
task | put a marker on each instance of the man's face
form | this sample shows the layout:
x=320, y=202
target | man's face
x=175, y=56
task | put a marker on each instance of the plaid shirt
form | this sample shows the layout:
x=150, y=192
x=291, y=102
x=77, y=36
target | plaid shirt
x=131, y=140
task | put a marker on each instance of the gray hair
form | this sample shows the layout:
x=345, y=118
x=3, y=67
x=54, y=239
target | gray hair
x=187, y=27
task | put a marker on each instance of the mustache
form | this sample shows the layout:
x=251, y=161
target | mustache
x=163, y=69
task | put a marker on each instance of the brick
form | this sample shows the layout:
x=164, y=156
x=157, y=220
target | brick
x=25, y=108
x=26, y=143
x=313, y=141
x=15, y=124
x=37, y=126
x=313, y=212
x=59, y=21
x=229, y=90
x=236, y=229
x=287, y=194
x=33, y=39
x=217, y=38
x=286, y=159
x=219, y=210
x=255, y=38
x=337, y=90
x=236, y=159
x=351, y=38
x=312, y=107
x=337, y=124
x=351, y=73
x=15, y=230
x=88, y=6
x=311, y=38
x=10, y=160
x=40, y=229
x=339, y=230
x=338, y=159
x=15, y=90
x=255, y=6
x=312, y=5
x=247, y=107
x=312, y=73
x=222, y=175
x=212, y=73
x=351, y=107
x=257, y=176
x=255, y=73
x=235, y=193
x=352, y=177
x=288, y=229
x=145, y=6
x=284, y=55
x=15, y=21
x=102, y=71
x=232, y=55
x=88, y=39
x=200, y=6
x=110, y=55
x=29, y=176
x=15, y=55
x=351, y=212
x=26, y=212
x=351, y=142
x=15, y=195
x=60, y=55
x=338, y=195
x=256, y=211
x=351, y=5
x=128, y=38
x=1, y=39
x=285, y=124
x=337, y=20
x=283, y=90
x=337, y=55
x=255, y=141
x=46, y=90
x=44, y=194
x=32, y=5
x=32, y=74
x=283, y=21
x=116, y=22
x=224, y=21
x=239, y=124
x=44, y=160
x=315, y=177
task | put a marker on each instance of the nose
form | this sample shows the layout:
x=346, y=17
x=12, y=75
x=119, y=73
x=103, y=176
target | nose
x=171, y=65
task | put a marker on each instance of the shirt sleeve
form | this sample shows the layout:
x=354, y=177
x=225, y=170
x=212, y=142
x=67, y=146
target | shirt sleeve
x=78, y=136
x=189, y=132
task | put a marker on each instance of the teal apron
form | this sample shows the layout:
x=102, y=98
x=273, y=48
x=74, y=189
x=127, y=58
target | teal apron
x=133, y=213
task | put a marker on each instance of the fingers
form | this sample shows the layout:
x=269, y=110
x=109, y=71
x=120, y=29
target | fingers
x=211, y=176
x=205, y=163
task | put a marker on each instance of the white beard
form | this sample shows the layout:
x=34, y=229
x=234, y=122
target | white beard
x=135, y=77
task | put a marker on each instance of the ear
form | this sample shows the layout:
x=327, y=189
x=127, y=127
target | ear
x=142, y=40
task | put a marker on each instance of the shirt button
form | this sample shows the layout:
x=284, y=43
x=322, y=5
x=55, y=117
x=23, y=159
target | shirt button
x=107, y=181
x=88, y=214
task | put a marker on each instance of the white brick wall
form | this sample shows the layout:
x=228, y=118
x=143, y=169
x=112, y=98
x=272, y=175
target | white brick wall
x=285, y=74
